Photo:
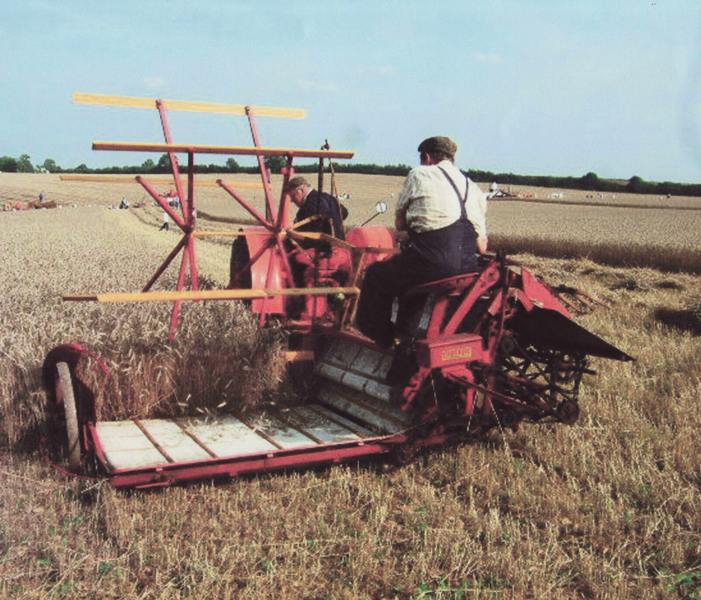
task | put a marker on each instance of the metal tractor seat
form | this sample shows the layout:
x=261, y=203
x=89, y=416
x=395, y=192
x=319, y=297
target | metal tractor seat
x=415, y=307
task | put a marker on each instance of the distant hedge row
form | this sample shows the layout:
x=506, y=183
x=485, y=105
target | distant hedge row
x=590, y=181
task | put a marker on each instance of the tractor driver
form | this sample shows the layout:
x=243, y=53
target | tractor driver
x=318, y=212
x=325, y=213
x=444, y=214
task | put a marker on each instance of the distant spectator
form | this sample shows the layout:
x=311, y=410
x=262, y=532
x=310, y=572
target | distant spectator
x=173, y=199
x=166, y=222
x=124, y=203
x=41, y=197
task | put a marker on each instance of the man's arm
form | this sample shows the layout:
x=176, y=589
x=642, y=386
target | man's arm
x=477, y=214
x=405, y=197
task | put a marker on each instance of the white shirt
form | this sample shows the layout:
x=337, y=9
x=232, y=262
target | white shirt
x=428, y=201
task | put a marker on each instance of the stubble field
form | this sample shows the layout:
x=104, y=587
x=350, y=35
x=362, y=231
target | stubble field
x=607, y=508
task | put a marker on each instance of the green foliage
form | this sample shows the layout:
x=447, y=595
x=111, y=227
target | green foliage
x=24, y=164
x=275, y=163
x=590, y=181
x=50, y=165
x=82, y=168
x=163, y=165
x=687, y=584
x=8, y=164
x=636, y=185
x=232, y=166
x=148, y=166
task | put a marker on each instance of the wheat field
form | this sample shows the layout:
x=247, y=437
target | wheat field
x=607, y=508
x=630, y=230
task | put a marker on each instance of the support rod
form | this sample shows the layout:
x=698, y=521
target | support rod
x=166, y=263
x=244, y=203
x=163, y=204
x=264, y=173
x=174, y=166
x=191, y=295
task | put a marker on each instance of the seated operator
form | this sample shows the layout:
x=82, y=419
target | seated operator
x=325, y=214
x=329, y=212
x=444, y=215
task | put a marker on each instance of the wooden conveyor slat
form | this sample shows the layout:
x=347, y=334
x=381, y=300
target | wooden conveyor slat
x=354, y=405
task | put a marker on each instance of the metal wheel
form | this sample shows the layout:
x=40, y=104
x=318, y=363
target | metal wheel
x=64, y=390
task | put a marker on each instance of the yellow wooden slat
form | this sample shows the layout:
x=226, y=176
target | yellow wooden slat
x=237, y=294
x=209, y=149
x=251, y=185
x=204, y=234
x=318, y=236
x=188, y=105
x=244, y=185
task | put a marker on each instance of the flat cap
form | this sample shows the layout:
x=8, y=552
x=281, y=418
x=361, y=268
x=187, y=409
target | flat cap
x=295, y=182
x=438, y=143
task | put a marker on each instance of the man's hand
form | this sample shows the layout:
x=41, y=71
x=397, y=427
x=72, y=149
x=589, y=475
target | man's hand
x=482, y=245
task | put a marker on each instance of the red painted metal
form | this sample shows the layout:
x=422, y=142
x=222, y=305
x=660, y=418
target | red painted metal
x=488, y=391
x=246, y=205
x=177, y=305
x=264, y=173
x=191, y=212
x=450, y=350
x=235, y=466
x=179, y=221
x=542, y=296
x=166, y=263
x=174, y=166
x=265, y=271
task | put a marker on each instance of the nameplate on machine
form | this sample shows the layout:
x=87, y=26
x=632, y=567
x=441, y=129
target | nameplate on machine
x=456, y=353
x=449, y=350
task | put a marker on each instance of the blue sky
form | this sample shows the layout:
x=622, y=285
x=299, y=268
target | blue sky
x=529, y=87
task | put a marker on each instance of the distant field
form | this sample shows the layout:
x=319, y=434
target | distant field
x=365, y=190
x=664, y=234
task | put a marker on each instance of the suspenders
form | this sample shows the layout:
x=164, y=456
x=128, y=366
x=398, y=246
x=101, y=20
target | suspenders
x=461, y=201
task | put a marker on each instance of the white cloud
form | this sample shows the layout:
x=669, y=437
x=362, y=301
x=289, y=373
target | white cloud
x=376, y=71
x=154, y=83
x=491, y=58
x=324, y=87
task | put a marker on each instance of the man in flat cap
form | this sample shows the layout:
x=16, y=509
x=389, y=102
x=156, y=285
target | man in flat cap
x=444, y=215
x=325, y=212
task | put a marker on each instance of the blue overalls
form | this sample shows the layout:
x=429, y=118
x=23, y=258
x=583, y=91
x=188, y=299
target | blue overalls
x=430, y=255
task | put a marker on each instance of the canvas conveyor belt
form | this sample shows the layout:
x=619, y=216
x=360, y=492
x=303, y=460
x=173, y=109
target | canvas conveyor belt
x=353, y=405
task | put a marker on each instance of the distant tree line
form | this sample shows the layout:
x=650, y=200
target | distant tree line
x=589, y=182
x=23, y=164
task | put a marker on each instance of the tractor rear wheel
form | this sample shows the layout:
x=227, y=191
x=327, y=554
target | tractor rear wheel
x=240, y=257
x=65, y=391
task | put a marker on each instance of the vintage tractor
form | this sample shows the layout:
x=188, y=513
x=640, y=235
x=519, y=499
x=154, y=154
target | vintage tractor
x=481, y=350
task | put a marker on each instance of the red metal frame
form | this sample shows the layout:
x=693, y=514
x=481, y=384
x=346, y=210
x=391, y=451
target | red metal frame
x=274, y=255
x=276, y=222
x=465, y=358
